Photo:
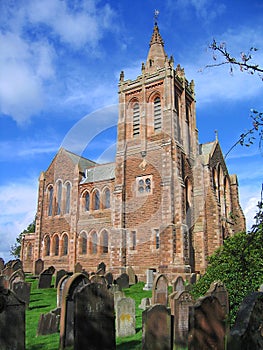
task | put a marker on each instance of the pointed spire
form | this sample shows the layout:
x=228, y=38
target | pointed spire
x=156, y=55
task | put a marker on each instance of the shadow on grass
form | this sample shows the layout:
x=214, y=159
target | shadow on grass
x=130, y=345
x=38, y=306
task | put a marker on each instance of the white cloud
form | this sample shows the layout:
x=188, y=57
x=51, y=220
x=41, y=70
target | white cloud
x=18, y=208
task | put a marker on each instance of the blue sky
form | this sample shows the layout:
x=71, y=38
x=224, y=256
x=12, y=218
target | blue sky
x=59, y=68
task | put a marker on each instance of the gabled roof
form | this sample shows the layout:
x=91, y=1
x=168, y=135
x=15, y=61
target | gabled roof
x=99, y=172
x=83, y=163
x=207, y=150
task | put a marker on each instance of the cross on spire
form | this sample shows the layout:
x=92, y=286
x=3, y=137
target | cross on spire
x=156, y=14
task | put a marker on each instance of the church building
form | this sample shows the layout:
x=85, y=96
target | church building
x=166, y=203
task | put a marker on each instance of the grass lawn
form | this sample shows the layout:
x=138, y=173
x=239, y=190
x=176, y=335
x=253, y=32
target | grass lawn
x=44, y=300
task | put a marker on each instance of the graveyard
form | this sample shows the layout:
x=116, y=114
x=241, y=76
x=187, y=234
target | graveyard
x=80, y=310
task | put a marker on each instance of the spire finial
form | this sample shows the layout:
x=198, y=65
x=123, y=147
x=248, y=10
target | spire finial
x=216, y=135
x=156, y=14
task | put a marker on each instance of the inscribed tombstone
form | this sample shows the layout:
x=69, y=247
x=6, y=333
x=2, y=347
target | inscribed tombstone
x=125, y=317
x=207, y=324
x=60, y=287
x=48, y=323
x=39, y=266
x=12, y=321
x=72, y=285
x=156, y=328
x=22, y=290
x=59, y=275
x=247, y=331
x=123, y=281
x=94, y=318
x=16, y=276
x=160, y=290
x=218, y=290
x=45, y=279
x=178, y=285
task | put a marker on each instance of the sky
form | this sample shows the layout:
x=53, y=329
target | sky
x=60, y=63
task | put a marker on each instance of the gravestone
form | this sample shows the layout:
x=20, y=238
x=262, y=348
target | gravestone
x=2, y=264
x=59, y=275
x=7, y=271
x=16, y=265
x=118, y=295
x=17, y=276
x=180, y=303
x=48, y=323
x=123, y=281
x=149, y=280
x=160, y=290
x=98, y=279
x=247, y=332
x=12, y=321
x=218, y=290
x=60, y=287
x=109, y=278
x=178, y=285
x=207, y=324
x=4, y=281
x=156, y=328
x=94, y=318
x=78, y=268
x=45, y=279
x=72, y=285
x=132, y=278
x=39, y=266
x=114, y=288
x=125, y=317
x=22, y=290
x=145, y=302
x=101, y=269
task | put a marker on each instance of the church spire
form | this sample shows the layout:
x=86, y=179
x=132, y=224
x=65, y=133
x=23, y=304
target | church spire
x=156, y=55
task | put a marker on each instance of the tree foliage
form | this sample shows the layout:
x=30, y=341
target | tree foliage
x=238, y=264
x=16, y=248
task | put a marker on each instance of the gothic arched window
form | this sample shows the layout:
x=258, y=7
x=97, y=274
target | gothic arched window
x=50, y=200
x=157, y=114
x=107, y=198
x=47, y=246
x=87, y=201
x=56, y=245
x=68, y=190
x=83, y=243
x=59, y=197
x=96, y=200
x=105, y=242
x=94, y=243
x=65, y=245
x=136, y=119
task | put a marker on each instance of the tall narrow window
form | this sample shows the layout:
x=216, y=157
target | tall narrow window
x=136, y=119
x=47, y=245
x=56, y=245
x=133, y=240
x=94, y=243
x=107, y=198
x=157, y=114
x=65, y=245
x=68, y=190
x=188, y=133
x=29, y=251
x=50, y=201
x=105, y=242
x=157, y=239
x=96, y=200
x=83, y=243
x=87, y=201
x=59, y=196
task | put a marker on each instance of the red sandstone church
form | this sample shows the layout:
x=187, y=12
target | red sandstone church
x=166, y=203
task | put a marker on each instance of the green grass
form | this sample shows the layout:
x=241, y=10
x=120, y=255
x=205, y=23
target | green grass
x=44, y=300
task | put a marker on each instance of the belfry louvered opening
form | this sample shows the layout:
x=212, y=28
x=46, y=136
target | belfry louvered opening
x=157, y=114
x=136, y=119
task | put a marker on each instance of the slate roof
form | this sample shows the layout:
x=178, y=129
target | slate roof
x=99, y=172
x=83, y=163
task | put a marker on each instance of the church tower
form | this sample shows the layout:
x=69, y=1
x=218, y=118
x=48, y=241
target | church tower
x=156, y=149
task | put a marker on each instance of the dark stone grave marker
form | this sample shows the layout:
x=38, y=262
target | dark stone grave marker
x=123, y=281
x=109, y=278
x=39, y=266
x=22, y=290
x=160, y=290
x=59, y=275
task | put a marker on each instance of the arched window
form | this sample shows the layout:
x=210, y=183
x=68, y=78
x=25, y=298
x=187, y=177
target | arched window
x=157, y=114
x=65, y=245
x=136, y=119
x=94, y=243
x=68, y=192
x=56, y=245
x=105, y=242
x=87, y=201
x=96, y=200
x=47, y=246
x=29, y=251
x=50, y=200
x=107, y=198
x=83, y=243
x=59, y=197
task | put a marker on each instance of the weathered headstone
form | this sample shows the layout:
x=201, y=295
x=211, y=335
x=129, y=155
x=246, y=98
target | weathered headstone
x=114, y=288
x=60, y=287
x=218, y=290
x=2, y=264
x=16, y=265
x=22, y=290
x=131, y=273
x=178, y=285
x=78, y=268
x=156, y=328
x=247, y=332
x=48, y=323
x=149, y=280
x=59, y=275
x=125, y=317
x=118, y=295
x=12, y=321
x=101, y=269
x=7, y=271
x=123, y=281
x=180, y=303
x=45, y=279
x=17, y=276
x=4, y=281
x=160, y=290
x=145, y=302
x=94, y=318
x=109, y=278
x=72, y=285
x=39, y=266
x=98, y=279
x=207, y=324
